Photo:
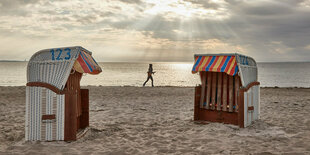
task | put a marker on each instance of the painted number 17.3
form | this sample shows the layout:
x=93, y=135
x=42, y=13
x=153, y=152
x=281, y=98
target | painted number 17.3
x=58, y=56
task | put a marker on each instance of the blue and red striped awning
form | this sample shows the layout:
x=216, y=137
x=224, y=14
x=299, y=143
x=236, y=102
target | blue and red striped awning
x=227, y=64
x=85, y=63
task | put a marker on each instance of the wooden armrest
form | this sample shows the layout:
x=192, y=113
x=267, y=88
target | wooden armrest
x=244, y=89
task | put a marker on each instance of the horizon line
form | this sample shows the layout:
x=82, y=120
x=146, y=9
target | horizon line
x=159, y=61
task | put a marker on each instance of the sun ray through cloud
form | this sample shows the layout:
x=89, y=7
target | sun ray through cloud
x=138, y=30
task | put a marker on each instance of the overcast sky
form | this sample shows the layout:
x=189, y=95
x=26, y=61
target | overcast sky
x=157, y=30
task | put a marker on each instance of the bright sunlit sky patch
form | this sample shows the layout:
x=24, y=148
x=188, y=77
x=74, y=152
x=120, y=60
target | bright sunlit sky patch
x=157, y=30
x=184, y=9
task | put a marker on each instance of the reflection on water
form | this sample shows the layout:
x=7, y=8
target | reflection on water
x=13, y=73
x=134, y=74
x=167, y=74
x=284, y=74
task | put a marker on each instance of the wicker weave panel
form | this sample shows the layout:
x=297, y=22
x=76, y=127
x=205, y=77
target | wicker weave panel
x=41, y=101
x=33, y=113
x=51, y=68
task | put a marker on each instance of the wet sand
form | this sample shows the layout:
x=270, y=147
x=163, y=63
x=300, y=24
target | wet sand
x=135, y=120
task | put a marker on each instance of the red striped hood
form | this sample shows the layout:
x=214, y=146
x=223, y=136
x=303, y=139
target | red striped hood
x=85, y=63
x=222, y=63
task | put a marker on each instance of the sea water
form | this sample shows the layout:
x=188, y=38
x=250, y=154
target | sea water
x=283, y=74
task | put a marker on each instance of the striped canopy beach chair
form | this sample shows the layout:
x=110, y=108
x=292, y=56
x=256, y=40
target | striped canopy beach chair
x=56, y=107
x=229, y=90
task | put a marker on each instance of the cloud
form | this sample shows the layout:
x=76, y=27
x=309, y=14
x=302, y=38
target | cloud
x=161, y=30
x=207, y=4
x=9, y=4
x=131, y=1
x=290, y=27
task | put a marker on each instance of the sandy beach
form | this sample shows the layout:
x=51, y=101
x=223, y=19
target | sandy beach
x=135, y=120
